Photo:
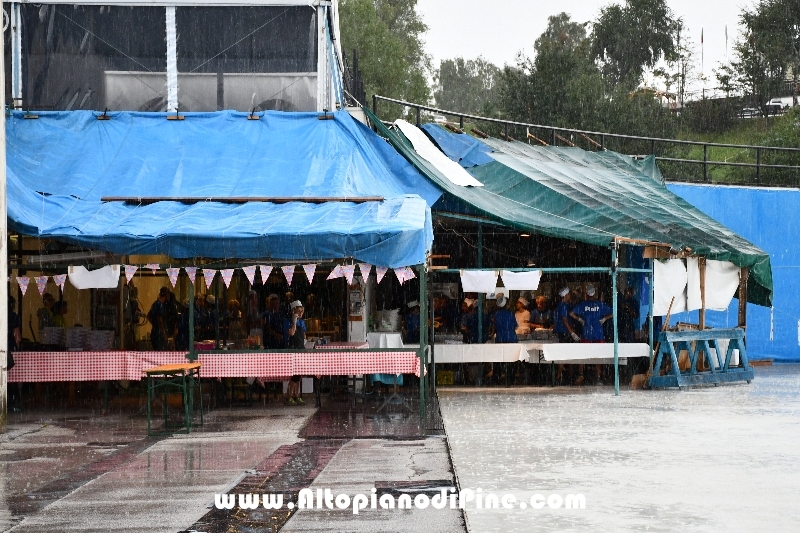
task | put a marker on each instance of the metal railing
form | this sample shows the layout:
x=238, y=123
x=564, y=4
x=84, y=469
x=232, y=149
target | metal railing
x=768, y=167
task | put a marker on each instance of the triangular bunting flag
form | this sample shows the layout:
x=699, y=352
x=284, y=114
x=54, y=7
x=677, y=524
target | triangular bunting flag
x=365, y=269
x=192, y=273
x=60, y=279
x=209, y=275
x=266, y=270
x=227, y=274
x=336, y=272
x=409, y=273
x=380, y=272
x=130, y=270
x=23, y=281
x=172, y=274
x=288, y=271
x=309, y=270
x=41, y=283
x=250, y=272
x=153, y=267
x=348, y=271
x=401, y=274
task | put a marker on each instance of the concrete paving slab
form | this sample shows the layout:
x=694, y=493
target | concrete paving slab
x=702, y=460
x=162, y=485
x=359, y=465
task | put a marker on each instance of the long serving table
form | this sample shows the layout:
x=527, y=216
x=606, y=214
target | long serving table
x=37, y=367
x=537, y=352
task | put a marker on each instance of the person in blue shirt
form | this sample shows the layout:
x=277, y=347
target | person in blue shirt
x=562, y=322
x=505, y=323
x=592, y=313
x=412, y=323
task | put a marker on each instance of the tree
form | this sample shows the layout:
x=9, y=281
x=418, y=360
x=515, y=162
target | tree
x=388, y=37
x=465, y=85
x=631, y=37
x=761, y=56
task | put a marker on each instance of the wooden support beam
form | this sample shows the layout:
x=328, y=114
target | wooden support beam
x=564, y=140
x=592, y=141
x=743, y=297
x=537, y=139
x=453, y=128
x=701, y=262
x=146, y=200
x=506, y=137
x=480, y=134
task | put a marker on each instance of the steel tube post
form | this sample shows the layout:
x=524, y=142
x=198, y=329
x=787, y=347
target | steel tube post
x=374, y=109
x=479, y=381
x=615, y=301
x=758, y=165
x=652, y=296
x=3, y=254
x=423, y=340
x=418, y=117
x=192, y=355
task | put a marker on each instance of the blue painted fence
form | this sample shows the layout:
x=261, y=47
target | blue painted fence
x=768, y=217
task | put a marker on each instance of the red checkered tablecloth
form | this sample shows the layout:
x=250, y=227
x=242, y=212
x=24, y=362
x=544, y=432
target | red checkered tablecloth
x=331, y=363
x=99, y=366
x=344, y=346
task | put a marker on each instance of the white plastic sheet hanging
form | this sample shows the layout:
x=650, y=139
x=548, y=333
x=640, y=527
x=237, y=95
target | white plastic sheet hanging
x=483, y=281
x=172, y=60
x=694, y=299
x=521, y=281
x=669, y=282
x=430, y=153
x=722, y=281
x=102, y=278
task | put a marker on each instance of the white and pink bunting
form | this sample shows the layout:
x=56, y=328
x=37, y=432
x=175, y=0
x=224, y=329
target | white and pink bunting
x=23, y=281
x=348, y=271
x=365, y=269
x=250, y=272
x=60, y=280
x=336, y=272
x=192, y=273
x=130, y=270
x=404, y=274
x=227, y=275
x=209, y=274
x=41, y=283
x=172, y=274
x=409, y=273
x=265, y=270
x=153, y=267
x=309, y=270
x=380, y=272
x=288, y=272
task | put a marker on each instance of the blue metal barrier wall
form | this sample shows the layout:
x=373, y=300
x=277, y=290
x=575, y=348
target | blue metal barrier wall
x=768, y=218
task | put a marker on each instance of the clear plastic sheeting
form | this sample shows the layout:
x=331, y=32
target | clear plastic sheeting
x=62, y=165
x=228, y=57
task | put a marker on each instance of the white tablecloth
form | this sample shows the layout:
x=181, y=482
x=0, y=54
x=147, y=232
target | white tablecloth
x=384, y=340
x=579, y=353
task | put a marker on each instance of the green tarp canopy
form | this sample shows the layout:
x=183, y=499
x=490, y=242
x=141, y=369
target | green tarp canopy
x=589, y=197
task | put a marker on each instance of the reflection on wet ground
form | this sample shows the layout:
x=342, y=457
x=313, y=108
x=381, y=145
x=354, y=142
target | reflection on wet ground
x=702, y=460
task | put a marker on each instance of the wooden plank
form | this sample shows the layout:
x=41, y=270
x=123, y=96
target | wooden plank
x=146, y=200
x=702, y=317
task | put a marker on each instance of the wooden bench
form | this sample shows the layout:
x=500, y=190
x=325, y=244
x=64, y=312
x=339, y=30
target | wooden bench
x=164, y=379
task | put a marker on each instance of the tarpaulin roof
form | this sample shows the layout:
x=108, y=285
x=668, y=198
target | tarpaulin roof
x=589, y=197
x=61, y=166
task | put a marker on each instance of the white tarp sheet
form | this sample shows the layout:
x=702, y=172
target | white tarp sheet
x=430, y=153
x=102, y=278
x=479, y=280
x=521, y=281
x=670, y=281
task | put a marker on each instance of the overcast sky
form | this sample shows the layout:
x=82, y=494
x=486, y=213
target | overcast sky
x=498, y=29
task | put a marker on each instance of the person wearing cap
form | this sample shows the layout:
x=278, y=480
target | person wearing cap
x=45, y=313
x=562, y=326
x=523, y=316
x=592, y=313
x=505, y=323
x=295, y=336
x=411, y=326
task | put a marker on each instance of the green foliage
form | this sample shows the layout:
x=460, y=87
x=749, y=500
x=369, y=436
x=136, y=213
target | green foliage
x=711, y=116
x=631, y=37
x=388, y=37
x=465, y=85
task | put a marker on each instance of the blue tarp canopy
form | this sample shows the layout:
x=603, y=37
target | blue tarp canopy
x=61, y=165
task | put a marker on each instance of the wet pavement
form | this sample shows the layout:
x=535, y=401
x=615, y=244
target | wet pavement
x=702, y=460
